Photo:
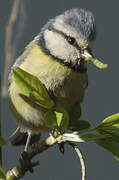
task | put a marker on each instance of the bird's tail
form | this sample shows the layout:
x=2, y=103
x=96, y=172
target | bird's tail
x=19, y=138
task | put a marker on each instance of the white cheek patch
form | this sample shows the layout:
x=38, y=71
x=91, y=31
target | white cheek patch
x=59, y=47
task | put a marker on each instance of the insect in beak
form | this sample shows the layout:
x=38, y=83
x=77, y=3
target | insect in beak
x=88, y=56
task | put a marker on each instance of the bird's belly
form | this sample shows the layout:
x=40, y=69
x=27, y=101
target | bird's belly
x=28, y=115
x=31, y=116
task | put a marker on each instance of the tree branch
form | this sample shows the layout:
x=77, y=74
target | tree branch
x=18, y=171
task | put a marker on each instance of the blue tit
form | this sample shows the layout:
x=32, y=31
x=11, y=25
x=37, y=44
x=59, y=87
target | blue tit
x=56, y=56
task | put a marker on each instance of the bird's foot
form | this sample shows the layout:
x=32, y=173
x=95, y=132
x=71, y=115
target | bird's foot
x=25, y=162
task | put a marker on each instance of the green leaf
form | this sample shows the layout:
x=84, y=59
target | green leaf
x=2, y=142
x=2, y=173
x=75, y=112
x=57, y=118
x=50, y=119
x=92, y=136
x=32, y=87
x=75, y=124
x=62, y=118
x=79, y=125
x=110, y=123
x=113, y=134
x=114, y=127
x=110, y=145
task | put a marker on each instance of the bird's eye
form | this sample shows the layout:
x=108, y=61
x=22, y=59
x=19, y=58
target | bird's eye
x=71, y=40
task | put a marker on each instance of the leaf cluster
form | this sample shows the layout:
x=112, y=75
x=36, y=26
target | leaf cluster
x=56, y=117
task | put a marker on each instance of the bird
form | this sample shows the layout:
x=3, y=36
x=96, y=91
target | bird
x=56, y=56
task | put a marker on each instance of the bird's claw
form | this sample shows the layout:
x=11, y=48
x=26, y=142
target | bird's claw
x=25, y=162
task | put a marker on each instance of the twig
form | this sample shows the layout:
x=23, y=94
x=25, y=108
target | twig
x=8, y=44
x=78, y=151
x=18, y=171
x=20, y=28
x=12, y=39
x=0, y=121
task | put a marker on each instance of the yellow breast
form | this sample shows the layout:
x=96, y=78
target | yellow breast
x=67, y=85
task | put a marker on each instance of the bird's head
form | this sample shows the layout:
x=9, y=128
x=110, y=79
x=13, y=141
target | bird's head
x=69, y=38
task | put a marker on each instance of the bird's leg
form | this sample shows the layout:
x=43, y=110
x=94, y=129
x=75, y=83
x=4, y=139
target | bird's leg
x=28, y=142
x=24, y=159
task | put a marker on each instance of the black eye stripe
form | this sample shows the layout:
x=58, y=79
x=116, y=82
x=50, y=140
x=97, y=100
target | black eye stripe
x=70, y=40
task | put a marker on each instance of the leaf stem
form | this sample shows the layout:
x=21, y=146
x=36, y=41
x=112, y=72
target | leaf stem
x=85, y=131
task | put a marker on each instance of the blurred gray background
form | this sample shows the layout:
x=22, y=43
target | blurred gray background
x=101, y=98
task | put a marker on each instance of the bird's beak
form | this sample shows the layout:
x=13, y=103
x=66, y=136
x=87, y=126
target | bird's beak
x=88, y=56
